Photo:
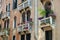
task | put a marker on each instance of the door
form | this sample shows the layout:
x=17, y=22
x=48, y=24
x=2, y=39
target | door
x=28, y=36
x=13, y=37
x=48, y=35
x=22, y=37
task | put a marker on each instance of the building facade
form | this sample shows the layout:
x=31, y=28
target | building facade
x=17, y=20
x=48, y=18
x=29, y=19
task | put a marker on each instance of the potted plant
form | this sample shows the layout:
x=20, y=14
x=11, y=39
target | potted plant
x=51, y=13
x=42, y=12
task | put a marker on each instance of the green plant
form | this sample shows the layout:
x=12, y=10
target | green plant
x=31, y=23
x=42, y=12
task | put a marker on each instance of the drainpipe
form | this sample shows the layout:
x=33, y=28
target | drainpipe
x=36, y=18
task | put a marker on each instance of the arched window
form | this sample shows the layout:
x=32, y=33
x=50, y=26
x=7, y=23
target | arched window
x=15, y=22
x=47, y=7
x=14, y=4
x=8, y=7
x=23, y=17
x=6, y=24
x=0, y=27
x=28, y=15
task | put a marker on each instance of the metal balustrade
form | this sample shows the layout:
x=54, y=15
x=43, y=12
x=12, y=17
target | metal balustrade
x=24, y=5
x=24, y=27
x=47, y=21
x=1, y=33
x=6, y=15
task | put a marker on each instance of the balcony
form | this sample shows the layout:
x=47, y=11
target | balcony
x=24, y=5
x=6, y=31
x=6, y=15
x=24, y=27
x=47, y=22
x=1, y=33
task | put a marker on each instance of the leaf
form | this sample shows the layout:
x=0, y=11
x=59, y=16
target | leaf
x=42, y=12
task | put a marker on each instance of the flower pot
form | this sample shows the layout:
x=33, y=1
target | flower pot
x=40, y=18
x=53, y=15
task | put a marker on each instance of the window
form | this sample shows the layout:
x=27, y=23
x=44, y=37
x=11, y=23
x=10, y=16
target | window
x=8, y=8
x=28, y=36
x=6, y=24
x=48, y=8
x=48, y=35
x=15, y=22
x=23, y=17
x=0, y=16
x=22, y=0
x=0, y=3
x=28, y=15
x=14, y=4
x=13, y=37
x=22, y=37
x=0, y=27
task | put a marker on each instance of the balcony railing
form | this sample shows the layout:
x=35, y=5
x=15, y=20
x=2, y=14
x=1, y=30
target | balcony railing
x=49, y=21
x=6, y=15
x=24, y=27
x=6, y=31
x=1, y=33
x=24, y=5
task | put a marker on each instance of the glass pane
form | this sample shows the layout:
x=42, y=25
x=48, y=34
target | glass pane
x=22, y=37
